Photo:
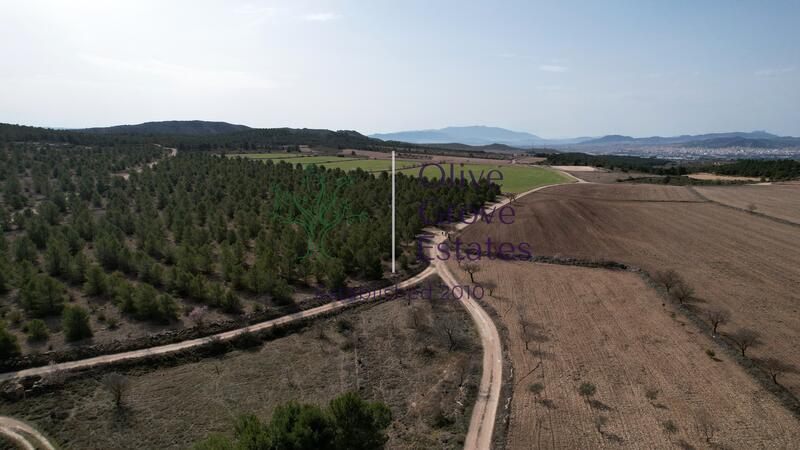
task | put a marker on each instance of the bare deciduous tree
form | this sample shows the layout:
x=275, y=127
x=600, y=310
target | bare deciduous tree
x=681, y=292
x=471, y=268
x=530, y=330
x=450, y=329
x=490, y=286
x=197, y=315
x=706, y=426
x=667, y=278
x=745, y=338
x=718, y=317
x=511, y=197
x=775, y=367
x=116, y=384
x=55, y=375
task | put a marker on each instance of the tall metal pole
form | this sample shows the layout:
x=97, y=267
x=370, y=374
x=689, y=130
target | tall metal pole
x=393, y=213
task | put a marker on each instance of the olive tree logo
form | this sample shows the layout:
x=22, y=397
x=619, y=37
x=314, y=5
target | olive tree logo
x=316, y=214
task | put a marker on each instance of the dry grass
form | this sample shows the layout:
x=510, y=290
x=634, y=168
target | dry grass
x=609, y=177
x=712, y=176
x=373, y=349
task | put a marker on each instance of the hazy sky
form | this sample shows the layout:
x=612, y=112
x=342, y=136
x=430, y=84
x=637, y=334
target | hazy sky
x=555, y=69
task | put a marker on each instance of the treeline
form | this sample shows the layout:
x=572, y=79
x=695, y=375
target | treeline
x=612, y=162
x=775, y=170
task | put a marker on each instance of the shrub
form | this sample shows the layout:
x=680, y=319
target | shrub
x=536, y=388
x=8, y=343
x=587, y=389
x=347, y=423
x=343, y=325
x=76, y=323
x=149, y=305
x=37, y=330
x=112, y=323
x=231, y=302
x=15, y=317
x=95, y=281
x=42, y=296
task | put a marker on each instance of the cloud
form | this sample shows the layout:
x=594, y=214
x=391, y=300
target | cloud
x=773, y=72
x=185, y=75
x=552, y=68
x=321, y=17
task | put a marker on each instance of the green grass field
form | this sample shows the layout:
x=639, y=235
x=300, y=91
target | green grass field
x=370, y=165
x=516, y=179
x=332, y=162
x=267, y=155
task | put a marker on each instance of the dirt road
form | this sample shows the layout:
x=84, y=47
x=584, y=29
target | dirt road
x=226, y=336
x=172, y=153
x=23, y=435
x=484, y=413
x=481, y=428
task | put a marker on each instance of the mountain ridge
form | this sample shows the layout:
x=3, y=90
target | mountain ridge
x=478, y=135
x=182, y=127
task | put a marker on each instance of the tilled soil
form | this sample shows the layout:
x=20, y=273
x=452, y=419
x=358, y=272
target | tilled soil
x=747, y=264
x=572, y=325
x=777, y=200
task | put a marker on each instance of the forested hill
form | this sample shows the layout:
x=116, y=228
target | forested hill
x=250, y=138
x=185, y=127
x=247, y=139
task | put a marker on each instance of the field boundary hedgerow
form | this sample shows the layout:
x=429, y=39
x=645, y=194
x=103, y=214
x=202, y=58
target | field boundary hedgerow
x=754, y=213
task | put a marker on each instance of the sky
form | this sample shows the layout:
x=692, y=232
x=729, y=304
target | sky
x=555, y=69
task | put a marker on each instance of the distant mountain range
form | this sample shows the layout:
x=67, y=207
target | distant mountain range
x=487, y=136
x=477, y=135
x=199, y=134
x=753, y=140
x=658, y=140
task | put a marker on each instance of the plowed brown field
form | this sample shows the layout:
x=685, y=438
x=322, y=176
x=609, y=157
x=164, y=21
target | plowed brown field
x=610, y=329
x=777, y=200
x=733, y=259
